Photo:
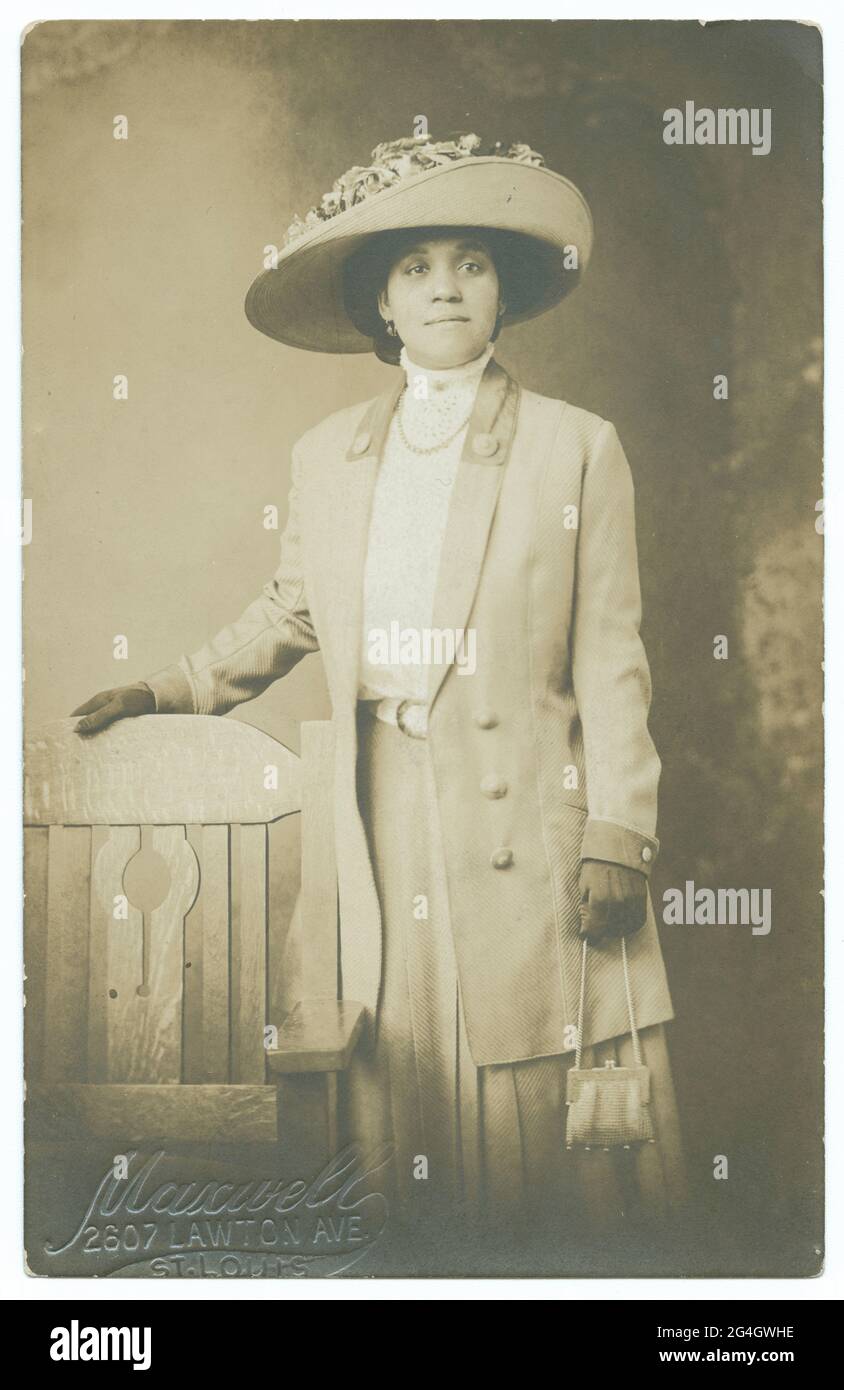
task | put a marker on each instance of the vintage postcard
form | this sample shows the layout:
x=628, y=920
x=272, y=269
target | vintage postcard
x=423, y=642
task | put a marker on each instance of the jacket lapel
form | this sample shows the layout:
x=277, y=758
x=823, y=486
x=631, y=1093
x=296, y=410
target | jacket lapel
x=473, y=501
x=471, y=510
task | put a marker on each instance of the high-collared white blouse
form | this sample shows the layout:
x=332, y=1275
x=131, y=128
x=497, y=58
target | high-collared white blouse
x=408, y=521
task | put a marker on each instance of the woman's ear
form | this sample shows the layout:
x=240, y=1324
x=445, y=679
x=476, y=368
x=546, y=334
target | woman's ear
x=383, y=304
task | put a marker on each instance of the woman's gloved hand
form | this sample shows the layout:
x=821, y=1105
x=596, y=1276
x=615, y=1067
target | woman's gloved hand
x=123, y=702
x=613, y=900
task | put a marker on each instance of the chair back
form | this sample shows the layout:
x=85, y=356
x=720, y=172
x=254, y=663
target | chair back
x=146, y=896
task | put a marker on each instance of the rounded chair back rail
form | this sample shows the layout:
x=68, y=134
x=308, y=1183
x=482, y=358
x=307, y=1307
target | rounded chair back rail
x=174, y=769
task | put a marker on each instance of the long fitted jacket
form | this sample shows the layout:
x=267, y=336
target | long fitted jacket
x=541, y=758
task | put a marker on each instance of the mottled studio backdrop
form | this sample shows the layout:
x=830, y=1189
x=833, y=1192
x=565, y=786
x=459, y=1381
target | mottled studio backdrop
x=148, y=513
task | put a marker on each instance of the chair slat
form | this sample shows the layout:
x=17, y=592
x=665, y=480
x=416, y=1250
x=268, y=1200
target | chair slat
x=35, y=858
x=319, y=879
x=145, y=1020
x=216, y=870
x=192, y=1064
x=206, y=1007
x=124, y=958
x=68, y=902
x=249, y=952
x=166, y=957
x=116, y=956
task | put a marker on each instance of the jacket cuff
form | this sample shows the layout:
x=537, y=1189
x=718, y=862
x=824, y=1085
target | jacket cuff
x=172, y=690
x=619, y=844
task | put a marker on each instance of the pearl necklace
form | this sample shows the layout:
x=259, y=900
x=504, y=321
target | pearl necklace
x=433, y=448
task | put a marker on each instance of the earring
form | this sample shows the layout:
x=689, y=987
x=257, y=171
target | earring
x=391, y=328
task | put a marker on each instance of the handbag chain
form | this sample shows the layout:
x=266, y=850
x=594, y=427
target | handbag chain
x=637, y=1052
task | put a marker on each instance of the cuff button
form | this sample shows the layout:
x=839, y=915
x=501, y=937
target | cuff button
x=647, y=854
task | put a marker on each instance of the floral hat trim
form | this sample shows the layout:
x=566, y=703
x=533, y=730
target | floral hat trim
x=394, y=161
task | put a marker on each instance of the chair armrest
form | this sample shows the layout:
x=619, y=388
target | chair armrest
x=318, y=1035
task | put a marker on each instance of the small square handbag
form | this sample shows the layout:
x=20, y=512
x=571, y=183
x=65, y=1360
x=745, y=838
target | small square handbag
x=608, y=1106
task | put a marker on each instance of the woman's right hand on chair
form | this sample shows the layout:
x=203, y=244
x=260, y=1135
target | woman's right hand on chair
x=123, y=702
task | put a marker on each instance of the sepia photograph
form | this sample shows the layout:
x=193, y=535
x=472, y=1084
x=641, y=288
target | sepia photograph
x=422, y=548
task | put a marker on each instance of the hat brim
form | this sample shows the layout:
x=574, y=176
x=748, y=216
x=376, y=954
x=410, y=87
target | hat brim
x=301, y=301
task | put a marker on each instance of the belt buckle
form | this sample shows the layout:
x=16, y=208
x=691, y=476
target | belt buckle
x=406, y=722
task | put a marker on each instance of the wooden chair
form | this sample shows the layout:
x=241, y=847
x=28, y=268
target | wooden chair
x=140, y=1025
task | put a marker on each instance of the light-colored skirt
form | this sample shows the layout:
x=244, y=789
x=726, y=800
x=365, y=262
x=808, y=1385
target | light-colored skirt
x=476, y=1144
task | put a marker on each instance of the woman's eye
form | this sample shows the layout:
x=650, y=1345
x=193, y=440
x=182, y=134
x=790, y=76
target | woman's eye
x=471, y=265
x=412, y=268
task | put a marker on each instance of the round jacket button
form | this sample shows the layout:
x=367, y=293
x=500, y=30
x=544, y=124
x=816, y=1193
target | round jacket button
x=502, y=859
x=484, y=445
x=485, y=718
x=647, y=854
x=493, y=786
x=361, y=444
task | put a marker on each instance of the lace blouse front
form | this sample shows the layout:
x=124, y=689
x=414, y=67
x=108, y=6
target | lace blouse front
x=408, y=521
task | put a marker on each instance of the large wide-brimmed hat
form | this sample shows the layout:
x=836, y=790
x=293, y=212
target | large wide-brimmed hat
x=303, y=299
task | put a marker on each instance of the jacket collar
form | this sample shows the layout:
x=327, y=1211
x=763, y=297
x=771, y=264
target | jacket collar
x=490, y=434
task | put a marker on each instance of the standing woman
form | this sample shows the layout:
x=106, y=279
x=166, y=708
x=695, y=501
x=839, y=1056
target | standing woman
x=462, y=551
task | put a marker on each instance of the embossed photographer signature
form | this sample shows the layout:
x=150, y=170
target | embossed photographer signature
x=134, y=1221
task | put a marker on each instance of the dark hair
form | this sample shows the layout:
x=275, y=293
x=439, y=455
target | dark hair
x=520, y=262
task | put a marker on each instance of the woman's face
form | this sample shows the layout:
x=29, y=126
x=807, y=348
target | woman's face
x=443, y=296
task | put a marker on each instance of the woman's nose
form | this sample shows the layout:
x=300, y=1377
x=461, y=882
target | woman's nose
x=444, y=286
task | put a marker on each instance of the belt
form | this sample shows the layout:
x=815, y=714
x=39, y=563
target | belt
x=411, y=716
